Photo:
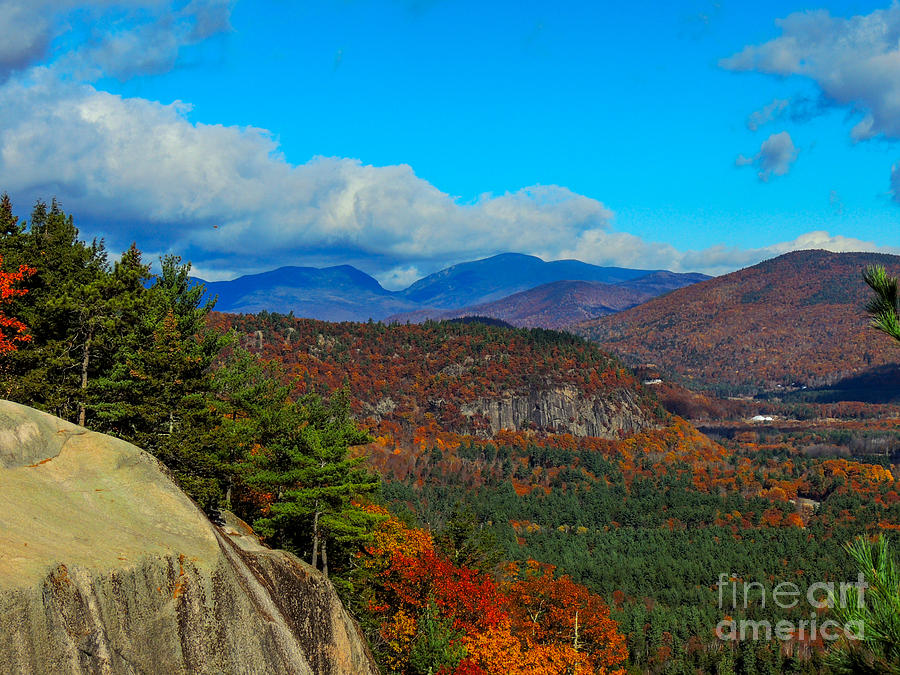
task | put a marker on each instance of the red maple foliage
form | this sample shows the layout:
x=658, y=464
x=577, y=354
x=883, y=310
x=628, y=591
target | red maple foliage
x=533, y=622
x=12, y=331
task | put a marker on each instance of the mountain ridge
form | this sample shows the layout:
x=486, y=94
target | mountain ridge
x=797, y=320
x=345, y=293
x=559, y=304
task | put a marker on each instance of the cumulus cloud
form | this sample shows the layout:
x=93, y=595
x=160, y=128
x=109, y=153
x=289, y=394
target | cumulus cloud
x=226, y=198
x=855, y=62
x=106, y=37
x=775, y=157
x=144, y=170
x=617, y=248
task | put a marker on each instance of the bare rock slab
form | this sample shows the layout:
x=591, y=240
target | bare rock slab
x=107, y=567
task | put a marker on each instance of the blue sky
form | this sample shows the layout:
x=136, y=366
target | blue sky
x=405, y=135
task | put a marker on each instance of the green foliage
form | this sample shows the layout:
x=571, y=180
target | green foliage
x=873, y=614
x=139, y=360
x=466, y=542
x=884, y=307
x=313, y=482
x=157, y=390
x=65, y=308
x=437, y=646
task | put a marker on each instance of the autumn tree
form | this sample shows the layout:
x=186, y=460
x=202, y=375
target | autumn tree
x=12, y=331
x=554, y=611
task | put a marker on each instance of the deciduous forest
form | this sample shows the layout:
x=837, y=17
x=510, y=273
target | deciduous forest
x=371, y=452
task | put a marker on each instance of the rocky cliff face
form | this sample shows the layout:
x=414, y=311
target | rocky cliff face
x=106, y=567
x=565, y=409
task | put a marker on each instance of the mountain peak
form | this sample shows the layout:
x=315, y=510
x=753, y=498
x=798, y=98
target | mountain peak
x=344, y=293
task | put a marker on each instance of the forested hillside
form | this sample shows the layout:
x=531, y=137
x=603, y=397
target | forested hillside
x=554, y=305
x=796, y=320
x=647, y=519
x=486, y=499
x=466, y=378
x=650, y=521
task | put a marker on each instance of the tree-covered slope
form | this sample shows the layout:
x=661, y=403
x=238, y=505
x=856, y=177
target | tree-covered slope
x=467, y=378
x=795, y=320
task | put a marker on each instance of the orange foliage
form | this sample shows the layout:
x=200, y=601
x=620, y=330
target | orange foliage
x=556, y=611
x=532, y=624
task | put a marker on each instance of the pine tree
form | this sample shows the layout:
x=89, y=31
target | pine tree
x=158, y=392
x=250, y=399
x=313, y=482
x=70, y=279
x=467, y=543
x=9, y=223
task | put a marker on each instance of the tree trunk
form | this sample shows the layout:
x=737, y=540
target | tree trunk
x=85, y=362
x=315, y=551
x=324, y=559
x=575, y=643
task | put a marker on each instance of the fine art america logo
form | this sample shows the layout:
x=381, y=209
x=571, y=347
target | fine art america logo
x=819, y=596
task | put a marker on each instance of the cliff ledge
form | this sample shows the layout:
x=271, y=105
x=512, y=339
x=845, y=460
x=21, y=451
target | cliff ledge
x=107, y=567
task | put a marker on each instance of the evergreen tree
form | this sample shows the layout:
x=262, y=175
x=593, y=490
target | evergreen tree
x=466, y=542
x=874, y=615
x=437, y=646
x=251, y=401
x=159, y=392
x=70, y=278
x=884, y=307
x=313, y=482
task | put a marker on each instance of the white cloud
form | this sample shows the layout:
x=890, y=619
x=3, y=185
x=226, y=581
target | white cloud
x=398, y=278
x=146, y=171
x=616, y=248
x=120, y=38
x=227, y=199
x=855, y=62
x=775, y=157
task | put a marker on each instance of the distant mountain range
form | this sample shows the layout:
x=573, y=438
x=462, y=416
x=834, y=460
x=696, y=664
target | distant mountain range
x=792, y=322
x=341, y=293
x=563, y=303
x=557, y=293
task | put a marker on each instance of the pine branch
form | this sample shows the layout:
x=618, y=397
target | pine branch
x=884, y=307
